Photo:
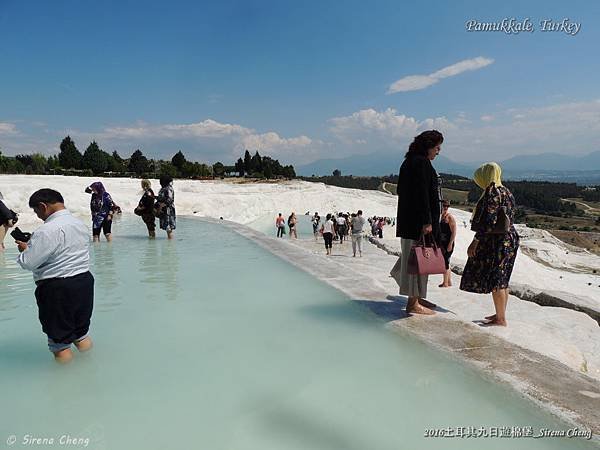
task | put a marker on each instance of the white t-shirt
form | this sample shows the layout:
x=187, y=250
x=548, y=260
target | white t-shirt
x=341, y=221
x=328, y=227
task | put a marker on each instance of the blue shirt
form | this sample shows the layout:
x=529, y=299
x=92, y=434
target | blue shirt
x=59, y=248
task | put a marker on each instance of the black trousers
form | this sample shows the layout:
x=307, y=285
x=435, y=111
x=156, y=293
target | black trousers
x=65, y=306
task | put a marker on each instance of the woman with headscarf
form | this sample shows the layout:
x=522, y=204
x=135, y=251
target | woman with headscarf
x=165, y=203
x=145, y=208
x=494, y=248
x=101, y=206
x=418, y=213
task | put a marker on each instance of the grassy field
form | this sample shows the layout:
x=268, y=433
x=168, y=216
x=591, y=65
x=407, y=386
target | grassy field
x=454, y=196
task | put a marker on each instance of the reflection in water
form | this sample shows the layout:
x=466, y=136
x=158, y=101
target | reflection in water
x=168, y=268
x=13, y=283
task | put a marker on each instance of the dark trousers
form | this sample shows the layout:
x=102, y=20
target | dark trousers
x=65, y=306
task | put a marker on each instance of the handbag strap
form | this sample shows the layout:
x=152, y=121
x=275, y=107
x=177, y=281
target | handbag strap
x=424, y=244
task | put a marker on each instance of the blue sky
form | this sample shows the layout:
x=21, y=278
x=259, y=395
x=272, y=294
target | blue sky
x=297, y=80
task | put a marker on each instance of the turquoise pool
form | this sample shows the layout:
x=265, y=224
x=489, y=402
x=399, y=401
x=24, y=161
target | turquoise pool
x=210, y=342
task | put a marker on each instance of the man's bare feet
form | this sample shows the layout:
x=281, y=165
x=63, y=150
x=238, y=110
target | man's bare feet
x=419, y=309
x=444, y=285
x=63, y=356
x=84, y=345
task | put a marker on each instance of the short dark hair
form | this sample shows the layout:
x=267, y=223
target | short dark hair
x=49, y=196
x=165, y=180
x=360, y=212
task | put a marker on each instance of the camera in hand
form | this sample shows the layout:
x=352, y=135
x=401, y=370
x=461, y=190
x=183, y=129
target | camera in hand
x=19, y=235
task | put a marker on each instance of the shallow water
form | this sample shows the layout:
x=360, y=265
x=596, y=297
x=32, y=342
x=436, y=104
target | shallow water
x=211, y=342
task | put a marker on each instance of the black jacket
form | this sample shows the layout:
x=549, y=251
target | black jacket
x=5, y=213
x=418, y=198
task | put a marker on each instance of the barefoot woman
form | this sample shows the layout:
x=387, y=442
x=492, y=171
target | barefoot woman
x=493, y=251
x=418, y=212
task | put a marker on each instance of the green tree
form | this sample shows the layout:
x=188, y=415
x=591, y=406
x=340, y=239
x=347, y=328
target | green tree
x=247, y=162
x=256, y=163
x=178, y=160
x=167, y=168
x=39, y=163
x=239, y=167
x=69, y=156
x=337, y=173
x=138, y=163
x=218, y=169
x=95, y=159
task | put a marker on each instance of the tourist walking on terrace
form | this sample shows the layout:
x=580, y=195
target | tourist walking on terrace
x=280, y=224
x=145, y=208
x=341, y=227
x=7, y=219
x=327, y=230
x=418, y=213
x=493, y=251
x=316, y=220
x=101, y=206
x=292, y=221
x=58, y=255
x=165, y=203
x=447, y=238
x=357, y=224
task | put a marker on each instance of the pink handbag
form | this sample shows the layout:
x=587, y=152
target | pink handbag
x=426, y=259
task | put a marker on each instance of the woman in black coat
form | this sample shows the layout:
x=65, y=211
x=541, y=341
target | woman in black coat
x=418, y=212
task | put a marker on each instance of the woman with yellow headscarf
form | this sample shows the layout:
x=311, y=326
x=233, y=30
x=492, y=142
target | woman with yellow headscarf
x=494, y=248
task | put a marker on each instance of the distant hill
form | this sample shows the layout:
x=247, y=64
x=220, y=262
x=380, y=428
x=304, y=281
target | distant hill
x=544, y=166
x=376, y=164
x=553, y=162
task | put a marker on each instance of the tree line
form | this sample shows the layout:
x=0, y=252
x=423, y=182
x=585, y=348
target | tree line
x=95, y=161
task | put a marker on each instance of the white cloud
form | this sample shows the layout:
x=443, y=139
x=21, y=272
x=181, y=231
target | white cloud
x=8, y=128
x=417, y=82
x=205, y=129
x=272, y=141
x=487, y=118
x=225, y=139
x=387, y=125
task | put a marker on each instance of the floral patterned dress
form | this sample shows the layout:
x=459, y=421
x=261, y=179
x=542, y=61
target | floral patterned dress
x=167, y=217
x=101, y=207
x=492, y=265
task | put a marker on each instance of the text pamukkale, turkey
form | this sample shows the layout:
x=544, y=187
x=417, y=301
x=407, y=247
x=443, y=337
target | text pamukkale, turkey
x=517, y=26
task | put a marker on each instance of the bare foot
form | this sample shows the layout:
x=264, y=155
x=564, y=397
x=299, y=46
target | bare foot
x=63, y=356
x=495, y=323
x=427, y=303
x=443, y=285
x=84, y=345
x=492, y=317
x=420, y=309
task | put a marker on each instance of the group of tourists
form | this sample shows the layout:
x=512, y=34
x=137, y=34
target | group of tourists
x=292, y=223
x=377, y=224
x=341, y=226
x=58, y=252
x=423, y=216
x=150, y=207
x=58, y=255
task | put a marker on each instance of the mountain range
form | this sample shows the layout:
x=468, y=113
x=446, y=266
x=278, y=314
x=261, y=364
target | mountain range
x=543, y=166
